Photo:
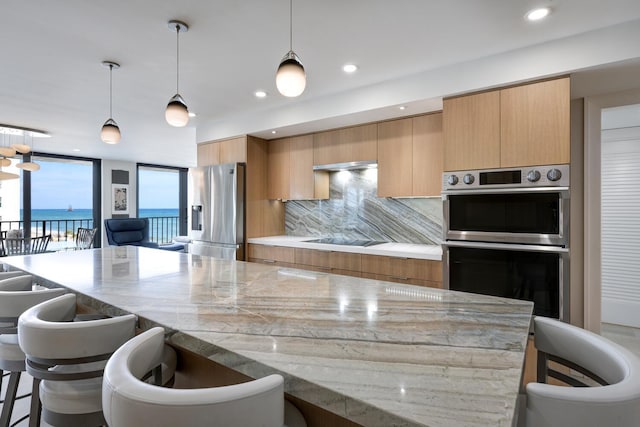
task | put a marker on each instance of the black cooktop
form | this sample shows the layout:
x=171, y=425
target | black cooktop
x=346, y=242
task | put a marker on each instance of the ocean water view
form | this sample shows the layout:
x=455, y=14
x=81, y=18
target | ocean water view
x=62, y=223
x=64, y=214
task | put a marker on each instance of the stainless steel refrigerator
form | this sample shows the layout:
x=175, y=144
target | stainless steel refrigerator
x=216, y=197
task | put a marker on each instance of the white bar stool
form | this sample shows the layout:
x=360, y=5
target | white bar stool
x=614, y=402
x=66, y=360
x=129, y=402
x=16, y=296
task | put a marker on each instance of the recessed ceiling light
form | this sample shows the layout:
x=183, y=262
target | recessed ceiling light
x=403, y=107
x=349, y=68
x=260, y=94
x=274, y=132
x=192, y=114
x=538, y=13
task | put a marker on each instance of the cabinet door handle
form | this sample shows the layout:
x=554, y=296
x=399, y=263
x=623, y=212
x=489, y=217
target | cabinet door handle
x=399, y=278
x=269, y=261
x=323, y=267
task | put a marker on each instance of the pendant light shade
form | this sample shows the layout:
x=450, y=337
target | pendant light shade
x=291, y=79
x=21, y=148
x=28, y=166
x=110, y=132
x=177, y=113
x=8, y=175
x=7, y=151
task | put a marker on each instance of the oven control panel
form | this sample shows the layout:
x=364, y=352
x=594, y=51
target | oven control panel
x=530, y=176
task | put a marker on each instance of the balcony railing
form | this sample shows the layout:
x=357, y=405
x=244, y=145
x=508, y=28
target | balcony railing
x=162, y=229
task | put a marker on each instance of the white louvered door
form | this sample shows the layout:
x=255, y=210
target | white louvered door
x=621, y=226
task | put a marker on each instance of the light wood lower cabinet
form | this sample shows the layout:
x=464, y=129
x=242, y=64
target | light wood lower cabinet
x=412, y=271
x=273, y=255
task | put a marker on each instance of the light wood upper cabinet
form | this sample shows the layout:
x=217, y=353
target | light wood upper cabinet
x=428, y=155
x=304, y=182
x=395, y=163
x=410, y=157
x=232, y=150
x=290, y=170
x=524, y=125
x=278, y=169
x=535, y=124
x=350, y=144
x=471, y=126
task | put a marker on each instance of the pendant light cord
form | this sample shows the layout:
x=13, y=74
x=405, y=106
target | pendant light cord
x=291, y=25
x=111, y=91
x=177, y=57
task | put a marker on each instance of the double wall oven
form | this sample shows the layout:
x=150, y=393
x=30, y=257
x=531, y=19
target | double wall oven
x=506, y=233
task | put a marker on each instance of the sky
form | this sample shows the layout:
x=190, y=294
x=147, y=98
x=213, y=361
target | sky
x=58, y=185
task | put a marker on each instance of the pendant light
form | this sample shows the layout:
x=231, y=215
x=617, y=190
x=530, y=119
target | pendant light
x=7, y=151
x=28, y=166
x=21, y=148
x=10, y=150
x=177, y=113
x=290, y=77
x=6, y=162
x=110, y=132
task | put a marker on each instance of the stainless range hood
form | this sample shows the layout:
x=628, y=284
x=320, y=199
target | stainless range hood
x=365, y=164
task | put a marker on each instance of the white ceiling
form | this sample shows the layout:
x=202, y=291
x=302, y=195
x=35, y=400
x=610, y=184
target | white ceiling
x=410, y=52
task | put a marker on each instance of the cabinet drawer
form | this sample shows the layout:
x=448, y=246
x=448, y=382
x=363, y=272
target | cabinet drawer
x=272, y=262
x=405, y=280
x=272, y=253
x=409, y=268
x=312, y=257
x=346, y=272
x=345, y=261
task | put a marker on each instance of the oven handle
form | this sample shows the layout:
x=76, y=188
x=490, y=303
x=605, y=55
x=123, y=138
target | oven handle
x=504, y=246
x=507, y=190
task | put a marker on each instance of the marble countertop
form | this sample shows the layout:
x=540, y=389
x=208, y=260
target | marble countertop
x=403, y=250
x=376, y=353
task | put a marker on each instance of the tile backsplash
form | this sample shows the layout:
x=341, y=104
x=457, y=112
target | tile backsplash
x=353, y=211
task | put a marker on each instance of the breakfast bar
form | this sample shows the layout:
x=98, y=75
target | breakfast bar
x=372, y=352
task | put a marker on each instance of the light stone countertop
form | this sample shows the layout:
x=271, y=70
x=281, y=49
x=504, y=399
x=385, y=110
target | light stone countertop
x=377, y=353
x=402, y=250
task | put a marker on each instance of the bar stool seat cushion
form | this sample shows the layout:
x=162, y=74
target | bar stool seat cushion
x=79, y=397
x=11, y=357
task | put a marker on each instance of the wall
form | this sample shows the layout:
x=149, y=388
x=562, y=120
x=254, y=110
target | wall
x=108, y=166
x=354, y=211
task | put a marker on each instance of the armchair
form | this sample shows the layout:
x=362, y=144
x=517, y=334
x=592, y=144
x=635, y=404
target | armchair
x=133, y=231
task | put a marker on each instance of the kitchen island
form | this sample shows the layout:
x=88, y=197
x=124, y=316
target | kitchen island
x=375, y=353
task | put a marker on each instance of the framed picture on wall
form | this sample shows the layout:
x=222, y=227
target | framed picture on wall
x=120, y=199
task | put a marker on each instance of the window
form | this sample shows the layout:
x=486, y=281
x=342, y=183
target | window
x=162, y=199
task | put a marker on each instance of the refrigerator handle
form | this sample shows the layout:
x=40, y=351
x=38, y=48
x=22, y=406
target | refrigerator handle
x=196, y=217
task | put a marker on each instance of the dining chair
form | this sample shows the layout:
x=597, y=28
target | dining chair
x=25, y=245
x=66, y=359
x=604, y=379
x=85, y=237
x=128, y=401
